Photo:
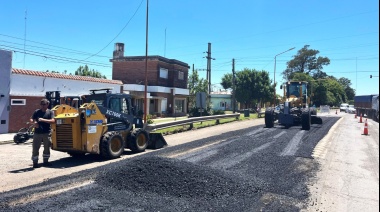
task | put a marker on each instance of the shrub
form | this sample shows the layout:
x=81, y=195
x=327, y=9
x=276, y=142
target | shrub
x=219, y=112
x=194, y=112
x=149, y=119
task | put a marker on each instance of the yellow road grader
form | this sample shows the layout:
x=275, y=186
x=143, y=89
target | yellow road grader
x=295, y=109
x=99, y=123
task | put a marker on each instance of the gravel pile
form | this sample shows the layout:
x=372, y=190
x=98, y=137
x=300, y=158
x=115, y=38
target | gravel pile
x=172, y=177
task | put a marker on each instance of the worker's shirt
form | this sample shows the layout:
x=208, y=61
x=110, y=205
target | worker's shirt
x=43, y=126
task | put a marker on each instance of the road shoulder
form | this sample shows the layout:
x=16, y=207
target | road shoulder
x=349, y=174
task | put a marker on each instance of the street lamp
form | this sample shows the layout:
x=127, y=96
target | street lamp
x=274, y=78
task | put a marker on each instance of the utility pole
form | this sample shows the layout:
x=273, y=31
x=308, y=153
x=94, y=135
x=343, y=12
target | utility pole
x=193, y=77
x=209, y=58
x=233, y=87
x=25, y=37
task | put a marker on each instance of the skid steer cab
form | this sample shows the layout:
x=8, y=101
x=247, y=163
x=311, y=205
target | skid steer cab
x=103, y=124
x=295, y=109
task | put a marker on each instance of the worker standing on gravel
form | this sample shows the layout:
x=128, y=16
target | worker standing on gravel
x=42, y=118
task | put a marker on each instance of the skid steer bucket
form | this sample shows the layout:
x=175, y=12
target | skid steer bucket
x=156, y=141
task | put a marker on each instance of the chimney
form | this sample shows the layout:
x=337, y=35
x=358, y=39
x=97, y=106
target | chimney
x=119, y=50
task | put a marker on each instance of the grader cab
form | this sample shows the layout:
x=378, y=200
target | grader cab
x=295, y=110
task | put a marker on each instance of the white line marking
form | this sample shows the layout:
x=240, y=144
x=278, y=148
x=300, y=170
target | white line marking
x=235, y=159
x=280, y=134
x=293, y=145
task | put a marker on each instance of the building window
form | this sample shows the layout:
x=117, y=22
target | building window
x=18, y=102
x=164, y=73
x=181, y=75
x=179, y=105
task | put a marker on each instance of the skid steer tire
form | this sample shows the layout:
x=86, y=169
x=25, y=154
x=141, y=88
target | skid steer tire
x=112, y=145
x=306, y=120
x=269, y=118
x=139, y=141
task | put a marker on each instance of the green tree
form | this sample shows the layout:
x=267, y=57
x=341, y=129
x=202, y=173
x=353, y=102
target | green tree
x=227, y=81
x=329, y=92
x=252, y=86
x=346, y=83
x=85, y=71
x=306, y=61
x=263, y=89
x=195, y=85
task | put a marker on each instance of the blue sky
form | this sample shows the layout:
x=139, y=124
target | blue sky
x=62, y=35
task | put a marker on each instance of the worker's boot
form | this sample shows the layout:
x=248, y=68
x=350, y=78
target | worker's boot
x=46, y=163
x=35, y=164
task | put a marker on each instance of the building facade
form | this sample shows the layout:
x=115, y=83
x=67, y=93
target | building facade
x=166, y=82
x=22, y=90
x=221, y=101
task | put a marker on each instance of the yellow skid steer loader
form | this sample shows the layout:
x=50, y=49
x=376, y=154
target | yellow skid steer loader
x=103, y=124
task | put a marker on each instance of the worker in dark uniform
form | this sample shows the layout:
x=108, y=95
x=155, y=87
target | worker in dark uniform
x=42, y=118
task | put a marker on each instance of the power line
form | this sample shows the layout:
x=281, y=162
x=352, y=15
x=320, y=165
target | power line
x=92, y=55
x=70, y=50
x=118, y=33
x=49, y=55
x=54, y=50
x=57, y=58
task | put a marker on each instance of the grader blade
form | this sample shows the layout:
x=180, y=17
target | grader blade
x=156, y=141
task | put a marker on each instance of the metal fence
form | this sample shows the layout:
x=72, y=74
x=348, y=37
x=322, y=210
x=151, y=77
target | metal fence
x=189, y=121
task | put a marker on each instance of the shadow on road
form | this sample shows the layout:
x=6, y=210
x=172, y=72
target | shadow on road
x=21, y=170
x=70, y=161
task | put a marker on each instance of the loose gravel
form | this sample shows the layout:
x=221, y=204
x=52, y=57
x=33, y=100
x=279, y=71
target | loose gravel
x=264, y=181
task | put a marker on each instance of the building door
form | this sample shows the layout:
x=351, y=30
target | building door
x=164, y=105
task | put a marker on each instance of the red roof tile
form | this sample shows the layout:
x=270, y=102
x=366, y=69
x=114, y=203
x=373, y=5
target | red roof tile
x=64, y=76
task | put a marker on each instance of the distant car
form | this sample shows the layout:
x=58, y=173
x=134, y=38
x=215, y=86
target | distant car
x=343, y=107
x=350, y=109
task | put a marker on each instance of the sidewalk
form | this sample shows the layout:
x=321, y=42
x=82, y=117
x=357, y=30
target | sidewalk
x=6, y=138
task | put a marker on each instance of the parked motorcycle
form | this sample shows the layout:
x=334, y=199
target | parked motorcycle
x=24, y=134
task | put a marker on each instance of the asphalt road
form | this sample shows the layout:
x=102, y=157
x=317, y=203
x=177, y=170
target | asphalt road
x=223, y=168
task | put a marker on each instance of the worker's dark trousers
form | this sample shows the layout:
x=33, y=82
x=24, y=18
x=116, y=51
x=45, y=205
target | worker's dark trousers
x=37, y=140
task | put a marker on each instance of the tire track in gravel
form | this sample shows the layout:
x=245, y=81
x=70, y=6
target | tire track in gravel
x=214, y=149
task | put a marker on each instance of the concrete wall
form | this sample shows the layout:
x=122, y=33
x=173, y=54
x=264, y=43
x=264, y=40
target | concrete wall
x=5, y=73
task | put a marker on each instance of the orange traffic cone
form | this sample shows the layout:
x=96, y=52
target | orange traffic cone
x=360, y=120
x=365, y=128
